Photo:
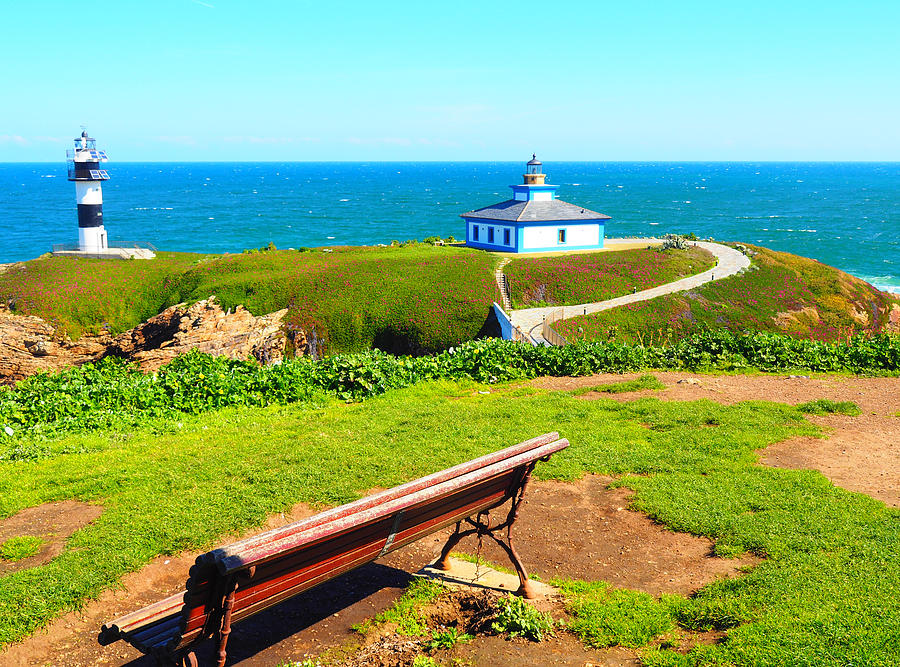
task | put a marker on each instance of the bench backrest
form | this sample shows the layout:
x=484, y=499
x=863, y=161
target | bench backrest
x=281, y=563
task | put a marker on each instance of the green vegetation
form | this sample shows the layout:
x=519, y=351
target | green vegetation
x=826, y=591
x=406, y=612
x=783, y=293
x=584, y=278
x=17, y=548
x=608, y=617
x=112, y=394
x=412, y=299
x=446, y=639
x=643, y=383
x=824, y=406
x=517, y=618
x=78, y=295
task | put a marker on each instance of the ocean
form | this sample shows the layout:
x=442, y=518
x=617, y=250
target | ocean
x=843, y=214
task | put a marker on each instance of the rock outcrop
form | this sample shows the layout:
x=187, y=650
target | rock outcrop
x=29, y=344
x=203, y=326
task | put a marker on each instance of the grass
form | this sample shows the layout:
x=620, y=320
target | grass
x=643, y=383
x=17, y=548
x=824, y=406
x=603, y=616
x=406, y=612
x=583, y=278
x=825, y=595
x=417, y=298
x=784, y=293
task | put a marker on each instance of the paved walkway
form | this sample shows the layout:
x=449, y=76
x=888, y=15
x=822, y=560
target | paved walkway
x=730, y=262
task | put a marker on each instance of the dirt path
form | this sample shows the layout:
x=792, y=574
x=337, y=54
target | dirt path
x=730, y=262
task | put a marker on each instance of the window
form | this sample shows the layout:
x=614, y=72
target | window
x=562, y=235
x=506, y=237
x=474, y=232
x=490, y=234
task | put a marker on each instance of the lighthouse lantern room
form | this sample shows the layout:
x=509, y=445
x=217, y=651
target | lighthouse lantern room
x=84, y=169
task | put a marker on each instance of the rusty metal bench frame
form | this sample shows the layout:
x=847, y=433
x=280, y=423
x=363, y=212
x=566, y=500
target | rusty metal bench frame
x=234, y=582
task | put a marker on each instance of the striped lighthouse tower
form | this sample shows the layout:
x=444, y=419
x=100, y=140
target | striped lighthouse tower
x=83, y=162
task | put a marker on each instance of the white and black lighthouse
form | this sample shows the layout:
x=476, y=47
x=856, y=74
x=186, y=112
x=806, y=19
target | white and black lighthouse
x=84, y=168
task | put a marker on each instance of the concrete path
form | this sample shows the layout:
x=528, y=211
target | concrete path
x=730, y=262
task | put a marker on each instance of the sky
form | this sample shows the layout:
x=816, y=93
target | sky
x=192, y=80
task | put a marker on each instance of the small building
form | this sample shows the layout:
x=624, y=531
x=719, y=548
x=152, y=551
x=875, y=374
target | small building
x=534, y=220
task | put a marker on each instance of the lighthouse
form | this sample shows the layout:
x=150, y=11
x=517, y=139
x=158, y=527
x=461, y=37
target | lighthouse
x=84, y=169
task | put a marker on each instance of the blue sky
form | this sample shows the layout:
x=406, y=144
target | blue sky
x=639, y=80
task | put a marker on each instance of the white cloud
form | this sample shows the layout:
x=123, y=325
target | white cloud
x=16, y=139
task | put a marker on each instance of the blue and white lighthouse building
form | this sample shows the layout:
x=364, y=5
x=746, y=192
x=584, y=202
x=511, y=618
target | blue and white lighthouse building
x=534, y=220
x=84, y=169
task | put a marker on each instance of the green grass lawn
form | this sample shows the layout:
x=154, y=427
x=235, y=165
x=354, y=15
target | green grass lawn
x=784, y=293
x=584, y=278
x=412, y=299
x=826, y=593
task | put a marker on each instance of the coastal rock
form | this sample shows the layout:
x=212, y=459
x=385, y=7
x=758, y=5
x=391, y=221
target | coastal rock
x=202, y=326
x=29, y=345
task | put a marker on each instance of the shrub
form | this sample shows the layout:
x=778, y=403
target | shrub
x=517, y=618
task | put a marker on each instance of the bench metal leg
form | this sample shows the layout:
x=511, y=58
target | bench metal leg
x=225, y=629
x=526, y=588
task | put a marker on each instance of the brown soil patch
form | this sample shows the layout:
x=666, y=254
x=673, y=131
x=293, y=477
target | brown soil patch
x=53, y=523
x=859, y=453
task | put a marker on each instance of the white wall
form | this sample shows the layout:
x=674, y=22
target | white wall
x=548, y=236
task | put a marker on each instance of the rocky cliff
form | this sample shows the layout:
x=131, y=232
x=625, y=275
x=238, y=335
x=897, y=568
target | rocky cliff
x=29, y=344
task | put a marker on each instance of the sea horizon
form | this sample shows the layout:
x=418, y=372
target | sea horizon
x=842, y=213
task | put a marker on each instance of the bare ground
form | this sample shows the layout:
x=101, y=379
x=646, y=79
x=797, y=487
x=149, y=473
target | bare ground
x=602, y=540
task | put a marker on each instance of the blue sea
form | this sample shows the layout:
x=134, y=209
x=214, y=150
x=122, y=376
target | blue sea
x=843, y=214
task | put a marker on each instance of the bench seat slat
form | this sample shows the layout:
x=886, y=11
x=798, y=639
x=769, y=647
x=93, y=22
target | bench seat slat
x=277, y=534
x=147, y=616
x=243, y=559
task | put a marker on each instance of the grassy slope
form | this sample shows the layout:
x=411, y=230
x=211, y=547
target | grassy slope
x=426, y=297
x=88, y=295
x=411, y=299
x=784, y=294
x=825, y=595
x=584, y=278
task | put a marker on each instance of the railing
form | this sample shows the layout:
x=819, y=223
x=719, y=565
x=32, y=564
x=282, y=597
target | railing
x=105, y=253
x=548, y=332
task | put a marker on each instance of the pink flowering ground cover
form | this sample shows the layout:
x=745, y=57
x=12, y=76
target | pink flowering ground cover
x=411, y=299
x=79, y=295
x=416, y=298
x=783, y=293
x=584, y=278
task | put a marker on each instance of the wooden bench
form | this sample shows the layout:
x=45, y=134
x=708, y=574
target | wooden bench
x=229, y=584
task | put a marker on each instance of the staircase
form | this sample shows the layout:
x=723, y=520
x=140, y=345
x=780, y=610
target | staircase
x=503, y=284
